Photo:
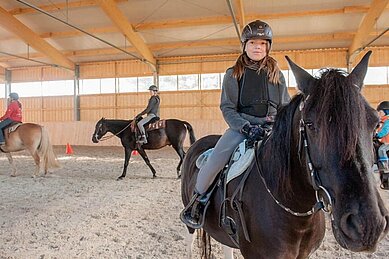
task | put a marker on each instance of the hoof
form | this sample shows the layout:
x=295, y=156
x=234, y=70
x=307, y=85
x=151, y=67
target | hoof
x=154, y=176
x=13, y=175
x=178, y=176
x=119, y=178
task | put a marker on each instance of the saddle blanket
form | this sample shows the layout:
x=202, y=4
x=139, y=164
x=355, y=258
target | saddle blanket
x=156, y=125
x=13, y=127
x=241, y=159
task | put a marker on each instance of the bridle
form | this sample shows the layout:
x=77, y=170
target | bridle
x=325, y=201
x=103, y=138
x=322, y=202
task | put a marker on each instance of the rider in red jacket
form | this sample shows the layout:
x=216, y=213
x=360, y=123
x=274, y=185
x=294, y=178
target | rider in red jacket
x=13, y=114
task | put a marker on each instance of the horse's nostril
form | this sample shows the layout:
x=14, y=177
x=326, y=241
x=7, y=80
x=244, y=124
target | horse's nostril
x=351, y=226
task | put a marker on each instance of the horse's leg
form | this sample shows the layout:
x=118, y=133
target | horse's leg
x=189, y=243
x=181, y=153
x=127, y=156
x=146, y=159
x=228, y=252
x=37, y=161
x=11, y=162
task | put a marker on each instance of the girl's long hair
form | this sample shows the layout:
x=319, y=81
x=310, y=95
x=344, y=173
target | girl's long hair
x=268, y=64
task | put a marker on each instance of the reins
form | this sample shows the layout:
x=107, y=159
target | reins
x=321, y=203
x=114, y=135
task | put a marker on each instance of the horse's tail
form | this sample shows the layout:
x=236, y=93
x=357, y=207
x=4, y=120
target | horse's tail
x=204, y=244
x=191, y=132
x=46, y=153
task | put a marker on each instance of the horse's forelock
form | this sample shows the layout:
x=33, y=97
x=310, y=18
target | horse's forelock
x=340, y=108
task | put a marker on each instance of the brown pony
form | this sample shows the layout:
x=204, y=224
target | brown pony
x=35, y=139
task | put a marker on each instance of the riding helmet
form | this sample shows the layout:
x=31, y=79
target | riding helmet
x=383, y=106
x=256, y=30
x=14, y=96
x=153, y=88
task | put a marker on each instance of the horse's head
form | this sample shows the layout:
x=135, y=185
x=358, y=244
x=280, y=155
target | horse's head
x=100, y=130
x=337, y=124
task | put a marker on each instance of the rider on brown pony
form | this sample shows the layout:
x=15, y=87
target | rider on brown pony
x=13, y=114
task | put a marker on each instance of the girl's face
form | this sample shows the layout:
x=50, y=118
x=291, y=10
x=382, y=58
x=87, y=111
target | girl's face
x=256, y=49
x=381, y=113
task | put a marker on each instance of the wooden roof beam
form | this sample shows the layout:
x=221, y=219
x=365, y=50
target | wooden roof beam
x=13, y=25
x=241, y=13
x=204, y=21
x=58, y=6
x=377, y=7
x=118, y=18
x=207, y=43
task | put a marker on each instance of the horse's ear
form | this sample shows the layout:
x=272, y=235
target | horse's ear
x=359, y=72
x=304, y=80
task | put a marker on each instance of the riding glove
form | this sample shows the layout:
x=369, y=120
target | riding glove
x=253, y=133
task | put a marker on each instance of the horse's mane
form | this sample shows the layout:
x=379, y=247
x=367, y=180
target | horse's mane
x=339, y=108
x=278, y=158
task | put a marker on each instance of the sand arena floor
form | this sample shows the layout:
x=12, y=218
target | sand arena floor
x=81, y=211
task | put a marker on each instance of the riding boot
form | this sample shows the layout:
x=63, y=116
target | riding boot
x=384, y=174
x=192, y=215
x=142, y=140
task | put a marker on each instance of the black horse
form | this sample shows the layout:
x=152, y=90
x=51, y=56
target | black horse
x=318, y=157
x=173, y=134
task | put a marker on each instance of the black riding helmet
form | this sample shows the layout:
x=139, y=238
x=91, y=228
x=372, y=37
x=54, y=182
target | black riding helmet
x=14, y=96
x=256, y=30
x=383, y=106
x=153, y=88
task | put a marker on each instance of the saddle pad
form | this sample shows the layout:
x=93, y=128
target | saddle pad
x=240, y=159
x=202, y=159
x=157, y=125
x=13, y=127
x=239, y=166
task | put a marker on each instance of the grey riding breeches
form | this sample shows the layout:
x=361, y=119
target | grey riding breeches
x=218, y=159
x=143, y=121
x=382, y=156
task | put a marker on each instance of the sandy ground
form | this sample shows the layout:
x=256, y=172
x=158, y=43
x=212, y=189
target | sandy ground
x=81, y=211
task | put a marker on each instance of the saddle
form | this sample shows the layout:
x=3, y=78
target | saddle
x=239, y=163
x=10, y=128
x=154, y=124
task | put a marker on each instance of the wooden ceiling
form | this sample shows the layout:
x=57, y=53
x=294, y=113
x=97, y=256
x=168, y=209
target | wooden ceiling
x=68, y=32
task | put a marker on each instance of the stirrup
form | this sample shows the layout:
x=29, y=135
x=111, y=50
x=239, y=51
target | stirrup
x=142, y=140
x=193, y=215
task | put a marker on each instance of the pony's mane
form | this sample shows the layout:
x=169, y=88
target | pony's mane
x=280, y=146
x=339, y=107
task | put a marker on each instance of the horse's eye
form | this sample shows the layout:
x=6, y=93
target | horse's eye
x=310, y=125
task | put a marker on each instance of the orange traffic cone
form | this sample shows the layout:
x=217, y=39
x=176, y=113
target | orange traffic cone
x=69, y=149
x=134, y=152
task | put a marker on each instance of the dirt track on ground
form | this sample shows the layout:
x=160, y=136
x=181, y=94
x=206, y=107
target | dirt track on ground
x=81, y=211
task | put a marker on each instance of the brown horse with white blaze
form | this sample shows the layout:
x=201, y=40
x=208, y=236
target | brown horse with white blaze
x=35, y=139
